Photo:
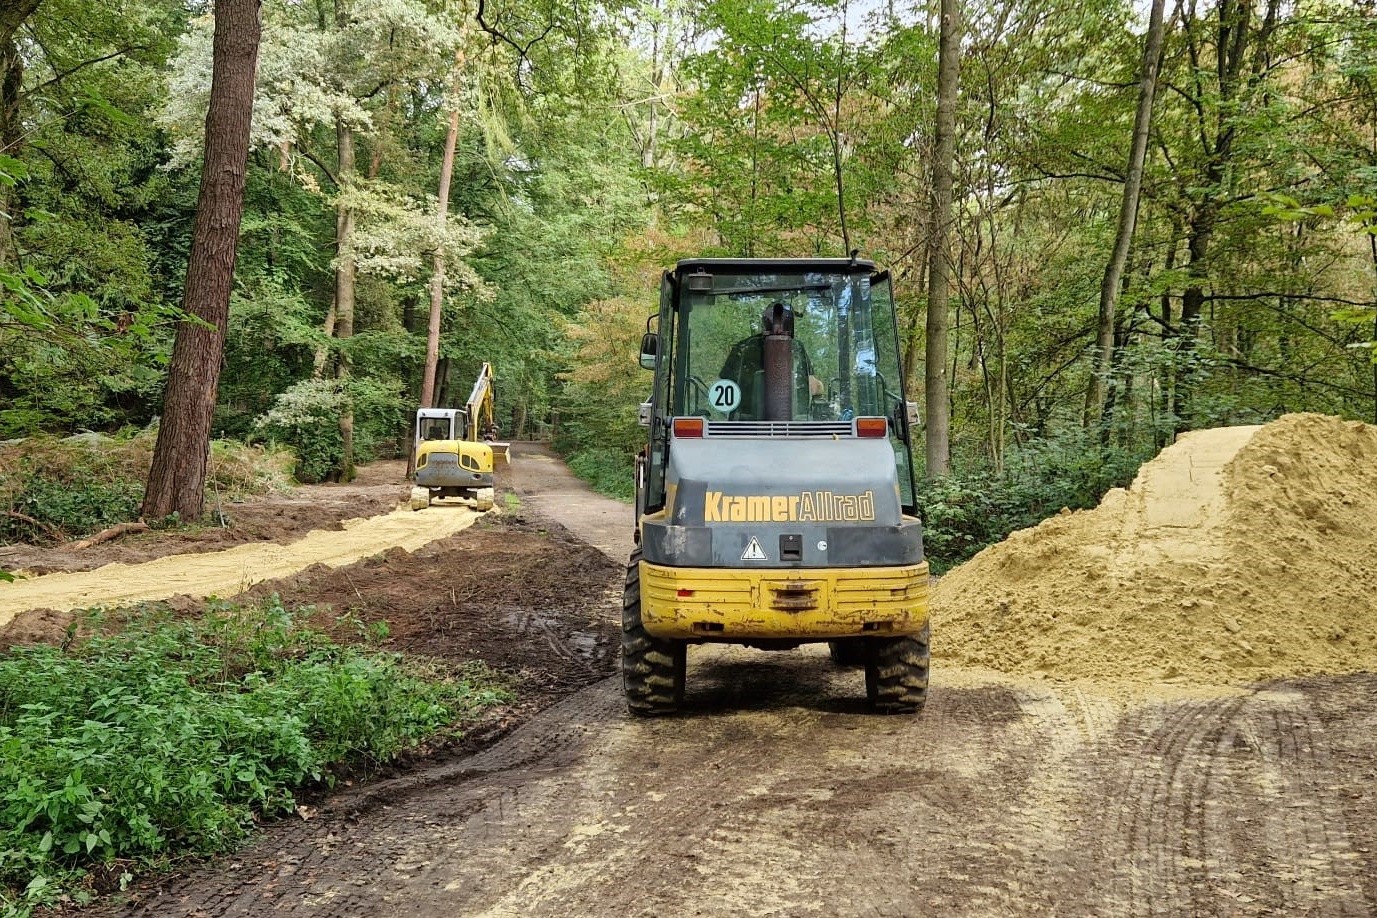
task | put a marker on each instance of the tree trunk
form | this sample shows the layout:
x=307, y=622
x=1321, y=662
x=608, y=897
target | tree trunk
x=1199, y=236
x=938, y=434
x=344, y=289
x=322, y=354
x=437, y=278
x=1128, y=215
x=11, y=82
x=176, y=483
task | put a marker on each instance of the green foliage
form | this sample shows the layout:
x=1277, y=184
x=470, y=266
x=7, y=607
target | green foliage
x=305, y=419
x=970, y=510
x=80, y=509
x=171, y=736
x=609, y=471
x=81, y=484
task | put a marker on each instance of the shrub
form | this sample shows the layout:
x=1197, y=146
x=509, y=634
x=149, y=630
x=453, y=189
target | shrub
x=972, y=509
x=306, y=419
x=172, y=736
x=81, y=484
x=609, y=471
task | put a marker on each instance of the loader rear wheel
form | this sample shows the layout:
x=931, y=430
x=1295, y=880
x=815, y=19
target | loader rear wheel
x=896, y=673
x=652, y=668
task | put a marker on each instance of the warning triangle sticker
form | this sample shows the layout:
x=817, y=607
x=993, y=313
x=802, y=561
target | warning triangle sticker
x=753, y=552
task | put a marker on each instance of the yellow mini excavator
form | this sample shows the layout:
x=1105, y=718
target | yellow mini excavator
x=456, y=448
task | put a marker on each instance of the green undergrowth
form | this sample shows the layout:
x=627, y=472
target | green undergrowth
x=976, y=507
x=162, y=737
x=53, y=488
x=608, y=471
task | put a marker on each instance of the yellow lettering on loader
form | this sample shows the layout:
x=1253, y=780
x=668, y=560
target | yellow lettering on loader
x=758, y=509
x=712, y=507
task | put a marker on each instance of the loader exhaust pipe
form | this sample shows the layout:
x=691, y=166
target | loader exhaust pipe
x=777, y=360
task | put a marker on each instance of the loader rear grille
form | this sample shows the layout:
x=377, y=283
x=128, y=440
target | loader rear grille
x=780, y=429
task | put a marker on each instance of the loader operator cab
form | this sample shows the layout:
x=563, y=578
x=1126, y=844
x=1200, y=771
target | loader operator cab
x=775, y=500
x=823, y=332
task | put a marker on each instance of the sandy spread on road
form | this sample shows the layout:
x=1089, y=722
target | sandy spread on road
x=226, y=573
x=1239, y=554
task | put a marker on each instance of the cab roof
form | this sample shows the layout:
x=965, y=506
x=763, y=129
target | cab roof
x=783, y=265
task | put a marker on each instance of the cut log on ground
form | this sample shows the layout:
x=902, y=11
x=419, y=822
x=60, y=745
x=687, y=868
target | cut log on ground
x=114, y=532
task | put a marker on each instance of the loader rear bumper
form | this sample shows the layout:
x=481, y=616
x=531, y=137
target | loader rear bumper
x=808, y=603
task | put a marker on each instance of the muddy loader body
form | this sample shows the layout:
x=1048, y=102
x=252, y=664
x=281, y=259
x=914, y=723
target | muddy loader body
x=775, y=495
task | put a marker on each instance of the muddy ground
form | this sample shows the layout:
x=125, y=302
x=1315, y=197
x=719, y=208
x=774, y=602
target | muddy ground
x=776, y=794
x=518, y=592
x=379, y=487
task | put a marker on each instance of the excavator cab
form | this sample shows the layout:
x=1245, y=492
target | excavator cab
x=775, y=495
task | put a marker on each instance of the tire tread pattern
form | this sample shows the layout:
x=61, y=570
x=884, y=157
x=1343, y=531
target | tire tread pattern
x=652, y=668
x=896, y=673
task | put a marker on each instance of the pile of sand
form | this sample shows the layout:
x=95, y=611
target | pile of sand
x=1238, y=554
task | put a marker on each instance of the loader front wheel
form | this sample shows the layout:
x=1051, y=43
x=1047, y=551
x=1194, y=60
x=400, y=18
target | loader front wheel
x=652, y=668
x=420, y=498
x=896, y=673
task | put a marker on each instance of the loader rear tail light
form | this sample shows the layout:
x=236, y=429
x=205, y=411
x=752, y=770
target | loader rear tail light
x=685, y=428
x=871, y=427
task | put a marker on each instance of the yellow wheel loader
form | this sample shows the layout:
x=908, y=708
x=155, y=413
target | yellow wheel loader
x=775, y=496
x=451, y=459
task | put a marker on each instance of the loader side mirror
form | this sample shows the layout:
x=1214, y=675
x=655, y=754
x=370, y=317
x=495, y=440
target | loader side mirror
x=905, y=418
x=650, y=349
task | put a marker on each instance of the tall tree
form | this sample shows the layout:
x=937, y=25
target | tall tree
x=938, y=433
x=12, y=16
x=1128, y=216
x=176, y=482
x=437, y=278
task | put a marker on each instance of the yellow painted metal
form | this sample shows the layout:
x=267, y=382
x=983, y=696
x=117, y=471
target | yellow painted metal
x=479, y=456
x=811, y=604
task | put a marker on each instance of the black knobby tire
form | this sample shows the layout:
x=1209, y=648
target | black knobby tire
x=847, y=652
x=896, y=673
x=652, y=668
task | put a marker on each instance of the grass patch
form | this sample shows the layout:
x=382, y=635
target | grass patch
x=511, y=502
x=172, y=737
x=79, y=485
x=608, y=471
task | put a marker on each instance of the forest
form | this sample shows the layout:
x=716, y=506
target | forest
x=1108, y=222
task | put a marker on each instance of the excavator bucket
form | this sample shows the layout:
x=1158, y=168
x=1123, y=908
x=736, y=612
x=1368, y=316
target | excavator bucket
x=502, y=451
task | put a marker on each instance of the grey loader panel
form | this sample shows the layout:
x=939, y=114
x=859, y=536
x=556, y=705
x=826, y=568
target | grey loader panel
x=783, y=502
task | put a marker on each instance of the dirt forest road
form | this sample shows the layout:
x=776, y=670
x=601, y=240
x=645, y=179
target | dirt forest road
x=776, y=794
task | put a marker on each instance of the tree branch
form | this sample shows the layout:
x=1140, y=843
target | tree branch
x=60, y=75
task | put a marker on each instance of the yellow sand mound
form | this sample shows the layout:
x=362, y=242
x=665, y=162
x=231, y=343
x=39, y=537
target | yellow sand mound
x=1238, y=554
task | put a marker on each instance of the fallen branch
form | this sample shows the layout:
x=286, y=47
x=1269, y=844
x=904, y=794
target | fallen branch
x=53, y=532
x=114, y=532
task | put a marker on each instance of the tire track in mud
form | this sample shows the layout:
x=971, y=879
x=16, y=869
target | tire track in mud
x=1224, y=808
x=776, y=794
